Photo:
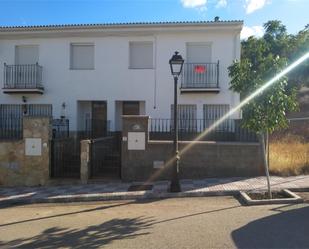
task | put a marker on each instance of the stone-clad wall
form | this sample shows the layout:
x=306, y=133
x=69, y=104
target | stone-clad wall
x=204, y=159
x=17, y=169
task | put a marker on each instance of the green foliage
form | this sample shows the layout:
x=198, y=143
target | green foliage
x=299, y=45
x=261, y=59
x=276, y=38
x=289, y=46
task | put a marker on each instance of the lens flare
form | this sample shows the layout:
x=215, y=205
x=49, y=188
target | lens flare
x=231, y=112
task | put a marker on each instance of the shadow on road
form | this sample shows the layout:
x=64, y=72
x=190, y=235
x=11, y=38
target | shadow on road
x=288, y=229
x=96, y=235
x=90, y=237
x=81, y=211
x=66, y=214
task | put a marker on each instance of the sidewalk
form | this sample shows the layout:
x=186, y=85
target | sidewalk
x=119, y=191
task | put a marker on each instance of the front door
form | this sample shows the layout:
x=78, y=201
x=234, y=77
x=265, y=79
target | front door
x=99, y=119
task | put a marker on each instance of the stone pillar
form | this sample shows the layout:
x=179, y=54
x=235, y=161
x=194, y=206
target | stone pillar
x=84, y=161
x=36, y=136
x=134, y=142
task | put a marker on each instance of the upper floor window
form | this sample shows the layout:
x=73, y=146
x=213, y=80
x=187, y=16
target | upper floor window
x=26, y=54
x=141, y=55
x=198, y=52
x=82, y=56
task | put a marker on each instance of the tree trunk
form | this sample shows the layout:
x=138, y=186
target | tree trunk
x=266, y=164
x=267, y=148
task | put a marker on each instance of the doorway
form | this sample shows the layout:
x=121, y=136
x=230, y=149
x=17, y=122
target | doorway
x=99, y=118
x=130, y=108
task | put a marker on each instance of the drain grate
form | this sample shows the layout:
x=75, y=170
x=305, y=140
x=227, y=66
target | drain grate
x=140, y=187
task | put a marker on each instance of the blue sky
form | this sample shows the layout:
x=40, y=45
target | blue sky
x=293, y=13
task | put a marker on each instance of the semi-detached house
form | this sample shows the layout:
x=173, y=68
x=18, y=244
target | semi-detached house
x=100, y=83
x=102, y=71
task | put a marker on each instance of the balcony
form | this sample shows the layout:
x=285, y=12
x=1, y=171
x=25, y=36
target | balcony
x=23, y=79
x=200, y=77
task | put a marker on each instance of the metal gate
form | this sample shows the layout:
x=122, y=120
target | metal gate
x=65, y=157
x=105, y=157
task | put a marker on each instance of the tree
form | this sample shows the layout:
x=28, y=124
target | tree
x=299, y=45
x=289, y=46
x=276, y=38
x=259, y=63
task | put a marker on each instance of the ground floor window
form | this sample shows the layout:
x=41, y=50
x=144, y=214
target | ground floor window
x=212, y=112
x=186, y=117
x=11, y=117
x=18, y=110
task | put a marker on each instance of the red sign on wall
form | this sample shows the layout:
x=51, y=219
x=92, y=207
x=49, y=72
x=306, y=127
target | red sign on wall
x=199, y=69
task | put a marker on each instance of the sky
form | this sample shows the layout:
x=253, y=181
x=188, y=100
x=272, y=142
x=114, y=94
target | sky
x=293, y=13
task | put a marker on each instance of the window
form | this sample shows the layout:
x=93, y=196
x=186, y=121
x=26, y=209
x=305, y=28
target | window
x=16, y=110
x=213, y=112
x=82, y=56
x=141, y=55
x=199, y=72
x=26, y=54
x=198, y=52
x=186, y=117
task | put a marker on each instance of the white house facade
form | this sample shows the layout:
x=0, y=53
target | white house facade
x=106, y=70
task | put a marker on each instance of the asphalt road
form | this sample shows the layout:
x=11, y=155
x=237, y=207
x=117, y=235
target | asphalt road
x=212, y=222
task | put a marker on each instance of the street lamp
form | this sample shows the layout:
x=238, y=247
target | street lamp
x=176, y=63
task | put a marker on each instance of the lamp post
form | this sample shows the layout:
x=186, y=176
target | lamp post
x=176, y=64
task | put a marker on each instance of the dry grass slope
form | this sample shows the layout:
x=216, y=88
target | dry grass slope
x=289, y=155
x=289, y=148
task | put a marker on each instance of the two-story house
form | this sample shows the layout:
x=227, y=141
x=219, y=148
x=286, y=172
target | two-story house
x=102, y=71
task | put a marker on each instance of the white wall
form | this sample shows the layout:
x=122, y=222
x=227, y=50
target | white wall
x=111, y=79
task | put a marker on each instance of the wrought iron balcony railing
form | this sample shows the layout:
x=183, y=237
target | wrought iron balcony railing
x=200, y=76
x=23, y=78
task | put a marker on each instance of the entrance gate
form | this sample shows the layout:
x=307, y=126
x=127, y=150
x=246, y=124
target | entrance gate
x=65, y=157
x=105, y=157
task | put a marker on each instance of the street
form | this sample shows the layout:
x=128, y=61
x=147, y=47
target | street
x=209, y=222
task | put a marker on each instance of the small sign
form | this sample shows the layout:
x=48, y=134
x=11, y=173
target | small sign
x=158, y=164
x=124, y=139
x=136, y=127
x=199, y=69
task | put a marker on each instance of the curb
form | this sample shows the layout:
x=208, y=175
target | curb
x=137, y=195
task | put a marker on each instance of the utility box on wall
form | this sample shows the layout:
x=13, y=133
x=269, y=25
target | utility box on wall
x=136, y=140
x=33, y=146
